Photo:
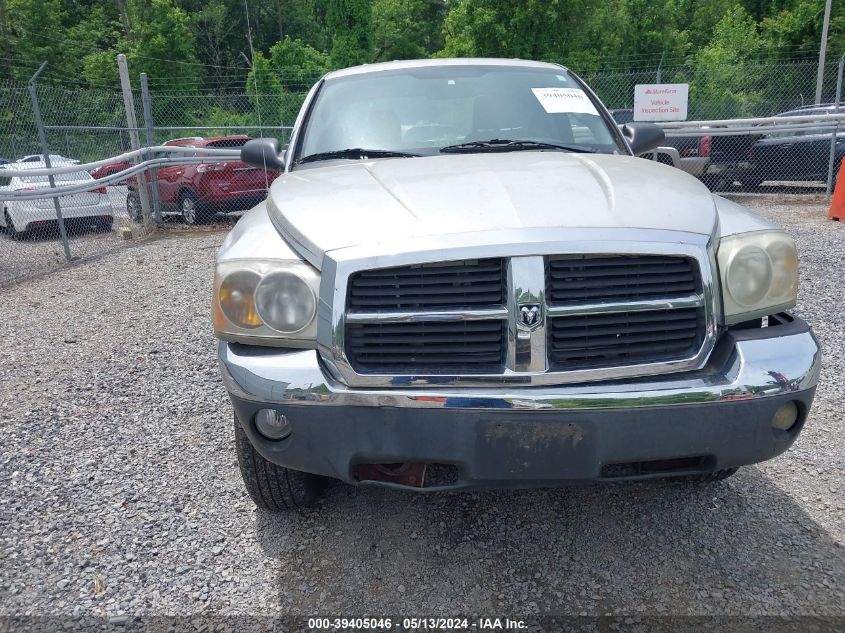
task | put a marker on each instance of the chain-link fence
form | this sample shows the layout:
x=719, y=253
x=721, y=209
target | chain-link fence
x=744, y=89
x=82, y=126
x=187, y=184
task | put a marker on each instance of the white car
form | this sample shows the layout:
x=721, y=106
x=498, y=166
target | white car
x=19, y=216
x=54, y=158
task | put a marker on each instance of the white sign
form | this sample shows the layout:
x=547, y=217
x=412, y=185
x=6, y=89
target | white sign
x=557, y=100
x=661, y=102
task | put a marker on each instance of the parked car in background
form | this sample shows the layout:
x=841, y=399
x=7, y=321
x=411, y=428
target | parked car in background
x=111, y=168
x=54, y=158
x=798, y=156
x=716, y=160
x=19, y=216
x=196, y=191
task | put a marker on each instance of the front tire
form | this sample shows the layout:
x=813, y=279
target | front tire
x=274, y=487
x=190, y=209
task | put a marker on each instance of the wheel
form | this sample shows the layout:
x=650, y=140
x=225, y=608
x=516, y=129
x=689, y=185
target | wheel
x=11, y=231
x=105, y=224
x=133, y=207
x=273, y=487
x=190, y=208
x=706, y=478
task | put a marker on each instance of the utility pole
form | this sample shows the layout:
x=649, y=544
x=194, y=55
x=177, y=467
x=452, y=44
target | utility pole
x=132, y=128
x=823, y=51
x=148, y=124
x=45, y=150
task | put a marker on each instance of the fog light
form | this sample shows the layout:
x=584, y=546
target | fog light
x=272, y=424
x=786, y=416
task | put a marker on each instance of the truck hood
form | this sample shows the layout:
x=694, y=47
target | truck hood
x=343, y=204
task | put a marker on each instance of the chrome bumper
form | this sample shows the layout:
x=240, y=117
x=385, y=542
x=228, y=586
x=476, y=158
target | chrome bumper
x=697, y=422
x=746, y=365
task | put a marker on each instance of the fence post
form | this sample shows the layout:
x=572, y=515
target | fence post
x=148, y=124
x=132, y=128
x=835, y=134
x=45, y=149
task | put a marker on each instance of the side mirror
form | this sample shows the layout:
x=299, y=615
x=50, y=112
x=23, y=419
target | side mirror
x=264, y=153
x=642, y=137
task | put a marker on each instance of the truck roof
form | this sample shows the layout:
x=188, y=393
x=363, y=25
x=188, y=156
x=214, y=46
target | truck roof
x=423, y=63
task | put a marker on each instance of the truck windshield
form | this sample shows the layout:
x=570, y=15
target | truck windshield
x=422, y=110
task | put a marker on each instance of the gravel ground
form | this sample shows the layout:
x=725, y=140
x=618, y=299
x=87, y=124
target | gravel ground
x=121, y=492
x=42, y=251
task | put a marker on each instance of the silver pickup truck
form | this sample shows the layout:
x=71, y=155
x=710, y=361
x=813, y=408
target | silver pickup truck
x=465, y=278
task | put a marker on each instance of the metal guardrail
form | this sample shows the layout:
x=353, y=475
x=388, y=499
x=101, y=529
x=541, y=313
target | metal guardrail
x=804, y=118
x=214, y=156
x=761, y=125
x=125, y=157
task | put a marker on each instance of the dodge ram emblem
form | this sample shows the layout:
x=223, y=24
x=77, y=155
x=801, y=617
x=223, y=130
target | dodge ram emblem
x=529, y=315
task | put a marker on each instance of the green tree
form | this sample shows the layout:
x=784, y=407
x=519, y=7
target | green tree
x=264, y=90
x=297, y=64
x=406, y=29
x=349, y=22
x=797, y=29
x=164, y=45
x=723, y=84
x=33, y=29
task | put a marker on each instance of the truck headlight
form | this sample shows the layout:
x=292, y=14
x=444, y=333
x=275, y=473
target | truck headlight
x=266, y=302
x=759, y=274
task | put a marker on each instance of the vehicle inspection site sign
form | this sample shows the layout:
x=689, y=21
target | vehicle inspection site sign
x=660, y=102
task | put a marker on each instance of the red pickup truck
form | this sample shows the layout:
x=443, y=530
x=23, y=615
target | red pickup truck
x=197, y=191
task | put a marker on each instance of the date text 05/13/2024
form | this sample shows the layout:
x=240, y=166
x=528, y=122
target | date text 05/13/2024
x=417, y=624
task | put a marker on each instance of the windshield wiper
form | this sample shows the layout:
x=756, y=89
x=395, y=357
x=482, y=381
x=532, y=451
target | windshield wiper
x=506, y=145
x=355, y=152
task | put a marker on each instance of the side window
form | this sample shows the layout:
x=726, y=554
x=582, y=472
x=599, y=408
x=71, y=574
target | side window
x=5, y=181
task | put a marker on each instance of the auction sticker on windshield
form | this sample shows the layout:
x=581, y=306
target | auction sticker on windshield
x=558, y=100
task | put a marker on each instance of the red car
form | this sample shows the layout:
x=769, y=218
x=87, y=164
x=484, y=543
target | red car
x=111, y=168
x=197, y=191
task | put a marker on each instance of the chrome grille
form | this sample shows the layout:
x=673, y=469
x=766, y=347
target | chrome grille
x=438, y=345
x=590, y=278
x=624, y=338
x=466, y=283
x=463, y=346
x=609, y=336
x=526, y=319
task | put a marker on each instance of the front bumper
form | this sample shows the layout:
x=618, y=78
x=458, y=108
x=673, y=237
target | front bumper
x=696, y=422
